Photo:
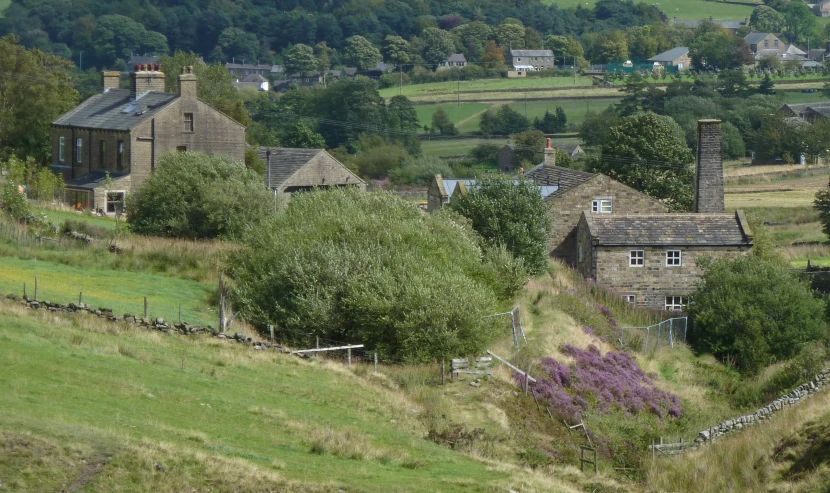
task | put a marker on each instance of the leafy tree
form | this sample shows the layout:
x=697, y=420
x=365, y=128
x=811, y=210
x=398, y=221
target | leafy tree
x=299, y=58
x=485, y=153
x=780, y=137
x=438, y=45
x=721, y=50
x=493, y=55
x=473, y=38
x=552, y=123
x=238, y=43
x=13, y=201
x=40, y=182
x=606, y=47
x=403, y=118
x=396, y=50
x=800, y=21
x=441, y=122
x=510, y=35
x=754, y=312
x=649, y=153
x=822, y=205
x=732, y=83
x=215, y=84
x=766, y=86
x=528, y=148
x=512, y=215
x=420, y=171
x=300, y=136
x=359, y=52
x=323, y=54
x=192, y=195
x=733, y=142
x=38, y=93
x=377, y=157
x=635, y=91
x=353, y=100
x=487, y=122
x=509, y=121
x=767, y=20
x=561, y=119
x=371, y=268
x=118, y=37
x=596, y=127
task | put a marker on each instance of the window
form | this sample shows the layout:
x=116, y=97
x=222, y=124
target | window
x=188, y=122
x=630, y=298
x=79, y=144
x=519, y=59
x=115, y=202
x=675, y=303
x=102, y=153
x=775, y=44
x=119, y=156
x=601, y=206
x=61, y=141
x=673, y=258
x=766, y=43
x=636, y=258
x=181, y=148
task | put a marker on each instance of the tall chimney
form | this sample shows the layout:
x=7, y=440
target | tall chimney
x=146, y=77
x=550, y=154
x=709, y=173
x=110, y=80
x=187, y=83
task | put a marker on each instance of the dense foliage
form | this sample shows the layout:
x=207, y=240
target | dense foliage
x=752, y=312
x=511, y=214
x=822, y=205
x=191, y=195
x=372, y=269
x=613, y=382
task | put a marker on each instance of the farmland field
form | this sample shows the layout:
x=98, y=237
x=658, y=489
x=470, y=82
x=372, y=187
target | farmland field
x=683, y=9
x=485, y=85
x=456, y=113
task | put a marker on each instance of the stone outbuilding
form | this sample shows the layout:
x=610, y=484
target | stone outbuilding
x=124, y=132
x=675, y=57
x=289, y=170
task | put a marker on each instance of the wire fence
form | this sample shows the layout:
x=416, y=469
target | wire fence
x=667, y=333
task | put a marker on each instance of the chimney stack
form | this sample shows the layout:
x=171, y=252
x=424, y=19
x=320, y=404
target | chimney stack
x=550, y=154
x=709, y=172
x=187, y=83
x=145, y=78
x=110, y=80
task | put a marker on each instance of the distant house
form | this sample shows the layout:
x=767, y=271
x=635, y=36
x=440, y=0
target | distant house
x=289, y=170
x=731, y=26
x=822, y=8
x=807, y=111
x=123, y=132
x=505, y=159
x=453, y=61
x=442, y=192
x=244, y=70
x=531, y=60
x=675, y=57
x=378, y=70
x=256, y=81
x=767, y=44
x=578, y=191
x=573, y=150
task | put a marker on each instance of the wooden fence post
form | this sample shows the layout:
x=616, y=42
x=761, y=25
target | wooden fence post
x=24, y=291
x=376, y=362
x=350, y=356
x=180, y=313
x=36, y=285
x=145, y=308
x=443, y=370
x=81, y=298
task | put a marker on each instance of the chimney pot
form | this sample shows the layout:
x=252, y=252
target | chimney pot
x=709, y=172
x=144, y=80
x=550, y=154
x=188, y=83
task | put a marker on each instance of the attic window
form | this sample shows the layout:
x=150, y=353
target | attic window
x=601, y=206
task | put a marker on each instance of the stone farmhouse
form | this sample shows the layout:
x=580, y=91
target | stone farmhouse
x=456, y=60
x=807, y=111
x=295, y=170
x=768, y=44
x=531, y=60
x=651, y=259
x=578, y=191
x=123, y=132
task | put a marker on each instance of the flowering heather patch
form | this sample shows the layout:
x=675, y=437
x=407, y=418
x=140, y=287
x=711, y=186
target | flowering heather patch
x=609, y=382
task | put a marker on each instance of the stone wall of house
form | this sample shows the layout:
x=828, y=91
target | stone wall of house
x=92, y=158
x=505, y=159
x=99, y=195
x=566, y=209
x=214, y=133
x=322, y=171
x=652, y=282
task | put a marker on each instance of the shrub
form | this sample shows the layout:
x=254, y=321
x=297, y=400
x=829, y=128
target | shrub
x=606, y=383
x=369, y=268
x=511, y=214
x=14, y=202
x=420, y=171
x=193, y=195
x=754, y=311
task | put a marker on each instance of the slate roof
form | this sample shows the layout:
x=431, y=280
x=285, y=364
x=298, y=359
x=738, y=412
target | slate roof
x=755, y=38
x=254, y=78
x=108, y=110
x=451, y=185
x=249, y=66
x=668, y=230
x=531, y=53
x=563, y=178
x=285, y=162
x=671, y=55
x=93, y=180
x=456, y=57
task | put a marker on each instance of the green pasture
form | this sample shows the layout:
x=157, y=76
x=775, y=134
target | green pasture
x=456, y=113
x=500, y=84
x=455, y=147
x=58, y=217
x=123, y=291
x=682, y=9
x=802, y=97
x=142, y=411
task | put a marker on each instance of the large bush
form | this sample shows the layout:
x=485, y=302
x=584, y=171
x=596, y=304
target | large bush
x=420, y=171
x=193, y=195
x=512, y=214
x=372, y=269
x=753, y=311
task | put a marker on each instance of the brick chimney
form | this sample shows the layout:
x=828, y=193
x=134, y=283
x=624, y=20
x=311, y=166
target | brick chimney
x=187, y=83
x=709, y=173
x=550, y=154
x=110, y=80
x=146, y=77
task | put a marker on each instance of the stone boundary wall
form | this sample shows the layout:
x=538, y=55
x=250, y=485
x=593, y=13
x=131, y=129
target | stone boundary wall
x=800, y=393
x=158, y=324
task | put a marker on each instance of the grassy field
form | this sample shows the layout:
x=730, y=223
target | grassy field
x=122, y=291
x=414, y=90
x=59, y=216
x=682, y=9
x=455, y=147
x=456, y=113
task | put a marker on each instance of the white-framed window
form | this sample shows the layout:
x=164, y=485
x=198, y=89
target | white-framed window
x=579, y=253
x=188, y=122
x=602, y=206
x=79, y=145
x=636, y=258
x=630, y=298
x=115, y=202
x=61, y=142
x=673, y=258
x=675, y=303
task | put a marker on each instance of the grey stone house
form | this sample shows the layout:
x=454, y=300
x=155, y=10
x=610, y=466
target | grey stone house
x=289, y=170
x=456, y=60
x=123, y=132
x=651, y=259
x=524, y=60
x=578, y=191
